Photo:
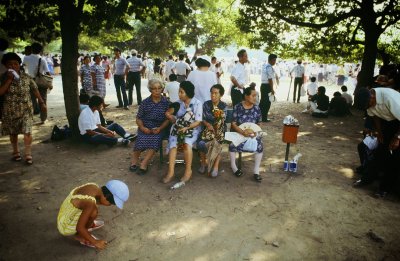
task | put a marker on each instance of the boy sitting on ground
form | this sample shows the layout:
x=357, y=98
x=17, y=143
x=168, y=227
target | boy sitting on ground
x=311, y=91
x=348, y=97
x=172, y=88
x=338, y=105
x=91, y=129
x=320, y=103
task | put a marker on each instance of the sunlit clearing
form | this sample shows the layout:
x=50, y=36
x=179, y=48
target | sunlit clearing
x=192, y=229
x=262, y=255
x=348, y=173
x=3, y=199
x=304, y=133
x=318, y=123
x=340, y=138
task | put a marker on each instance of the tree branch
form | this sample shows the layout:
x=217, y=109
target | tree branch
x=332, y=22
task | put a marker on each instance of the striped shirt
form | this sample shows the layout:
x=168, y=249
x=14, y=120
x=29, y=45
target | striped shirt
x=119, y=66
x=135, y=64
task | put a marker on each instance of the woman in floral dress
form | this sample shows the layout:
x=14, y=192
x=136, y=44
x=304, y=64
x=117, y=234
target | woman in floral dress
x=17, y=107
x=86, y=76
x=214, y=115
x=98, y=80
x=246, y=111
x=185, y=130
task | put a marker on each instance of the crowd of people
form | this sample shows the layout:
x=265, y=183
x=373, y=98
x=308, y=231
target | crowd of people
x=185, y=107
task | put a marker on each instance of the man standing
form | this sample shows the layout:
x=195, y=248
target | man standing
x=298, y=72
x=267, y=86
x=169, y=65
x=181, y=69
x=34, y=63
x=121, y=68
x=134, y=77
x=239, y=77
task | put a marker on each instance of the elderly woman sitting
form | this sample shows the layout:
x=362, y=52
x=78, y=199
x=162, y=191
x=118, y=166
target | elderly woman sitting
x=247, y=111
x=151, y=122
x=185, y=130
x=17, y=108
x=214, y=115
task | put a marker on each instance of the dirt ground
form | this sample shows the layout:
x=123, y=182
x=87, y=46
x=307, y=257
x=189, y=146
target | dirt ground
x=314, y=214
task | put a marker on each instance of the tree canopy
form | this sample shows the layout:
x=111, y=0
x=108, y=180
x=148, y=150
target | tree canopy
x=323, y=29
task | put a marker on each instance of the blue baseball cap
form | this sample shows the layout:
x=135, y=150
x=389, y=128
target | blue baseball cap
x=119, y=190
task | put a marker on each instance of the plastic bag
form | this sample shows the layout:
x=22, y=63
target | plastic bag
x=250, y=145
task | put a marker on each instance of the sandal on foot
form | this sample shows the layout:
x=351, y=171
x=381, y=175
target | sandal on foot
x=28, y=159
x=16, y=156
x=133, y=168
x=96, y=225
x=214, y=173
x=257, y=177
x=238, y=173
x=87, y=243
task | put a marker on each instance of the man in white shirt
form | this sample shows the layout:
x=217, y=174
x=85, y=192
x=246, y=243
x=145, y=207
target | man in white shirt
x=267, y=86
x=91, y=130
x=239, y=77
x=181, y=68
x=384, y=107
x=136, y=66
x=169, y=65
x=121, y=69
x=298, y=73
x=31, y=65
x=348, y=97
x=172, y=88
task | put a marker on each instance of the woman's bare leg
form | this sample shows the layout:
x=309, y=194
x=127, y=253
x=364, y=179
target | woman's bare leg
x=147, y=158
x=188, y=156
x=171, y=166
x=135, y=157
x=14, y=143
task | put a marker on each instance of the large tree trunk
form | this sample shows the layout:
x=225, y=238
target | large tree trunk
x=69, y=21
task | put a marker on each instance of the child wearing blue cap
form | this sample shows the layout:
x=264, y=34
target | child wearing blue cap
x=78, y=212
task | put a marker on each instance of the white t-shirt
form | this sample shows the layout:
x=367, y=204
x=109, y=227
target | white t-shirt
x=88, y=120
x=240, y=74
x=298, y=71
x=312, y=88
x=202, y=81
x=172, y=88
x=181, y=67
x=168, y=67
x=387, y=104
x=31, y=65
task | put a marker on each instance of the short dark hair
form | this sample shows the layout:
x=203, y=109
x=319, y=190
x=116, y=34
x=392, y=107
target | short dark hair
x=213, y=58
x=200, y=62
x=219, y=87
x=11, y=57
x=313, y=79
x=272, y=56
x=95, y=101
x=247, y=91
x=188, y=87
x=170, y=56
x=344, y=88
x=241, y=53
x=3, y=44
x=37, y=48
x=181, y=56
x=95, y=56
x=337, y=94
x=108, y=195
x=116, y=49
x=84, y=98
x=321, y=89
x=172, y=77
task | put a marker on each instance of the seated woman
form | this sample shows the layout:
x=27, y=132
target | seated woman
x=214, y=115
x=185, y=130
x=246, y=111
x=151, y=122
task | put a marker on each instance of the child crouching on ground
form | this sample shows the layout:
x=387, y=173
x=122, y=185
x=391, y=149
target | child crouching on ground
x=78, y=212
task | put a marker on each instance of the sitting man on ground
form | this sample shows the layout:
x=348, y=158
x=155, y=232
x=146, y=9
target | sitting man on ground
x=311, y=91
x=338, y=105
x=172, y=88
x=91, y=130
x=320, y=103
x=348, y=97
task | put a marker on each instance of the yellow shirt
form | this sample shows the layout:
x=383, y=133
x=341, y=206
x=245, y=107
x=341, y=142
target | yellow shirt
x=69, y=215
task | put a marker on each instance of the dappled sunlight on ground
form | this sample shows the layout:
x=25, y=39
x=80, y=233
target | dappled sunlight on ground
x=340, y=138
x=347, y=172
x=191, y=229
